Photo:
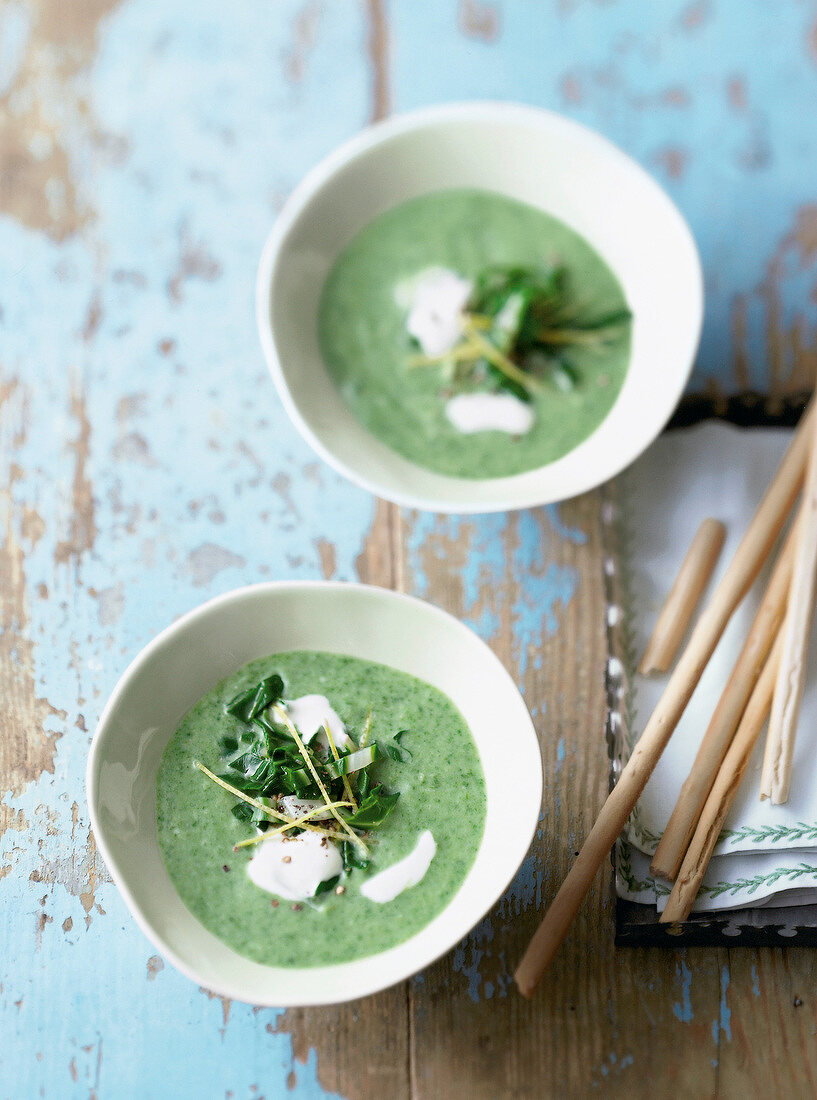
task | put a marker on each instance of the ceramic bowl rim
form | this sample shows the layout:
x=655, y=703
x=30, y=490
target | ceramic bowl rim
x=524, y=833
x=355, y=148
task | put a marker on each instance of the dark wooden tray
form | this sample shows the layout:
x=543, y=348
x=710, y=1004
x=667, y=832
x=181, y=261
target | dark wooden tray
x=638, y=925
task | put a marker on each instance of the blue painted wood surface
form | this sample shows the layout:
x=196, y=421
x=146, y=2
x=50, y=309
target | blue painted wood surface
x=147, y=464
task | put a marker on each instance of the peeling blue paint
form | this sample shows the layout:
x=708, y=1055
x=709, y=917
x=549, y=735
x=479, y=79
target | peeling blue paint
x=15, y=29
x=201, y=483
x=466, y=960
x=302, y=1080
x=725, y=1019
x=612, y=1065
x=545, y=595
x=683, y=1010
x=185, y=504
x=562, y=529
x=486, y=624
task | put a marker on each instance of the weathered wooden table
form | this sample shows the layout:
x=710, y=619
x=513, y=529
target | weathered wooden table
x=147, y=464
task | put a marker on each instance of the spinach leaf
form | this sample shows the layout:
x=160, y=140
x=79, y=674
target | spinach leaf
x=364, y=781
x=350, y=854
x=506, y=384
x=297, y=781
x=374, y=809
x=516, y=326
x=394, y=749
x=495, y=284
x=327, y=885
x=251, y=702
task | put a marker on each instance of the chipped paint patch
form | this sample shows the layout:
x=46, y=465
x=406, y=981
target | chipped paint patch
x=571, y=89
x=155, y=965
x=377, y=562
x=549, y=595
x=683, y=1009
x=378, y=46
x=82, y=525
x=208, y=560
x=564, y=530
x=226, y=1005
x=195, y=262
x=328, y=558
x=764, y=322
x=305, y=33
x=482, y=963
x=15, y=31
x=79, y=872
x=724, y=1022
x=134, y=345
x=133, y=447
x=301, y=1080
x=695, y=14
x=30, y=733
x=613, y=1067
x=673, y=160
x=479, y=19
x=43, y=110
x=736, y=93
x=466, y=960
x=32, y=526
x=310, y=1051
x=111, y=604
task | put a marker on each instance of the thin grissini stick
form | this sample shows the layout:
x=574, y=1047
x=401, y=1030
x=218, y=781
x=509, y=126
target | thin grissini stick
x=723, y=792
x=791, y=677
x=743, y=569
x=681, y=825
x=683, y=597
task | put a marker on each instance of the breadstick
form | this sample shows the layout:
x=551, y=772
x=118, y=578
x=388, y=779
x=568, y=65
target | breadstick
x=724, y=722
x=723, y=792
x=754, y=547
x=683, y=597
x=791, y=677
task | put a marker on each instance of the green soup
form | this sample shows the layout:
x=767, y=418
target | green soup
x=362, y=330
x=441, y=788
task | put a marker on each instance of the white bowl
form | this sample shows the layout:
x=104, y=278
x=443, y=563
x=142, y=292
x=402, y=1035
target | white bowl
x=213, y=641
x=528, y=154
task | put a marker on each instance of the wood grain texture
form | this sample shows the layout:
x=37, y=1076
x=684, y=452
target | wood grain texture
x=146, y=465
x=589, y=1025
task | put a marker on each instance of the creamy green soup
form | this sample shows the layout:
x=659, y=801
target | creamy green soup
x=441, y=789
x=362, y=330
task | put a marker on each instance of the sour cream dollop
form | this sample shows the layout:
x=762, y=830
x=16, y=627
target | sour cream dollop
x=484, y=412
x=294, y=867
x=407, y=872
x=435, y=299
x=310, y=713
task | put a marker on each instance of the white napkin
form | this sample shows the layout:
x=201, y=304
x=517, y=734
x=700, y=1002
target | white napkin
x=764, y=851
